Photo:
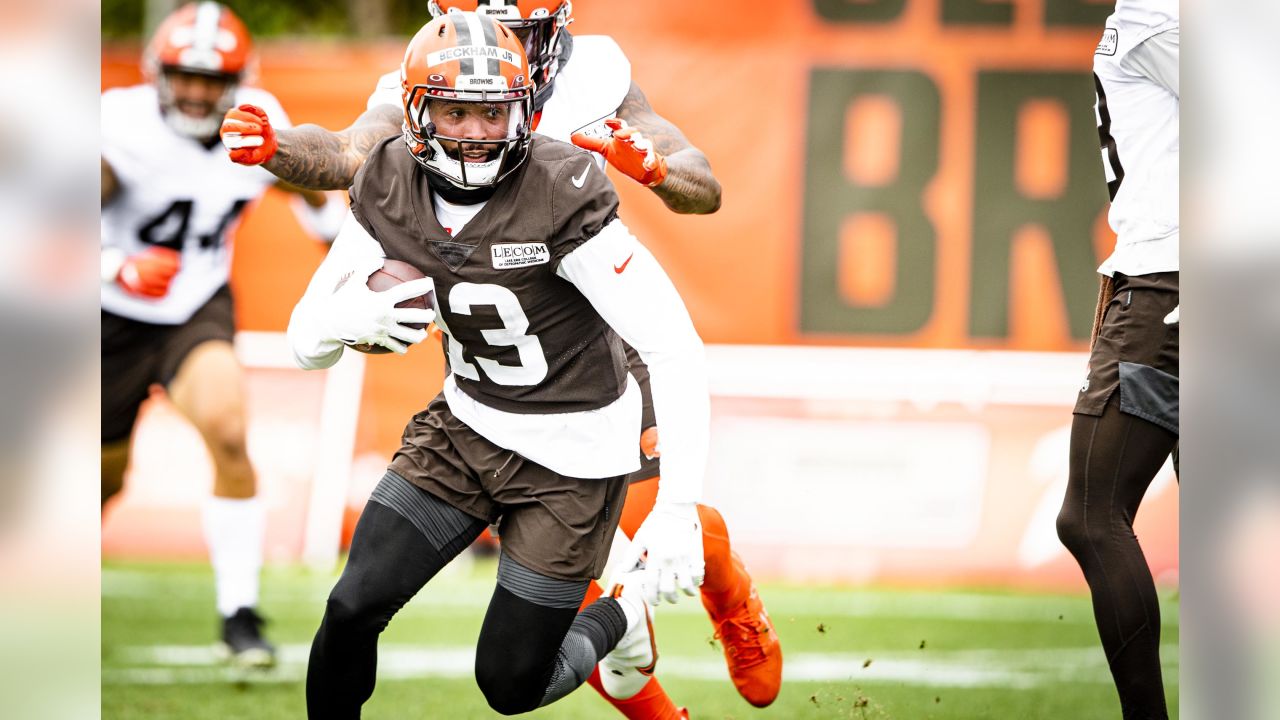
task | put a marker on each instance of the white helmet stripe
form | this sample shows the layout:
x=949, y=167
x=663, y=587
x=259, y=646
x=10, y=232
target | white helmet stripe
x=482, y=33
x=205, y=33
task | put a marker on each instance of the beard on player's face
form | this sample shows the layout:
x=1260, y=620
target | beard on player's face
x=196, y=95
x=472, y=152
x=474, y=121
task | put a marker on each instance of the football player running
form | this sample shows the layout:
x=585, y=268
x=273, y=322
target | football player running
x=519, y=238
x=169, y=202
x=584, y=93
x=1126, y=416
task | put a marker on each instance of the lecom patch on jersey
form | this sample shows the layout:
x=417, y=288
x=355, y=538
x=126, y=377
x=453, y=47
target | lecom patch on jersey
x=1110, y=39
x=518, y=255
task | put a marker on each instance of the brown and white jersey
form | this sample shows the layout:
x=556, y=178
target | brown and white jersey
x=1135, y=70
x=517, y=337
x=533, y=290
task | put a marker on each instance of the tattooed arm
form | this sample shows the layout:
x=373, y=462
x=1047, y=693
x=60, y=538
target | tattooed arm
x=312, y=157
x=690, y=186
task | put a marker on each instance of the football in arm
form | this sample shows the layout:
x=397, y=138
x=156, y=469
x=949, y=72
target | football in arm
x=392, y=273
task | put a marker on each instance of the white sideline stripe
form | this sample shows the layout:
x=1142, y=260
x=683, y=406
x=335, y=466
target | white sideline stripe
x=188, y=664
x=475, y=594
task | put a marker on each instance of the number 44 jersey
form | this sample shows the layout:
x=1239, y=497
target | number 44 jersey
x=518, y=337
x=174, y=192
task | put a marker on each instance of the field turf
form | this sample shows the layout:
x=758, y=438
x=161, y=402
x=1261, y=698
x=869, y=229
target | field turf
x=850, y=652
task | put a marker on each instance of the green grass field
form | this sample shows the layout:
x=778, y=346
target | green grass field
x=850, y=653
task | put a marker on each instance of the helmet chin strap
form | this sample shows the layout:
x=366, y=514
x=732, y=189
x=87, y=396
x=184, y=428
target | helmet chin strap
x=451, y=192
x=458, y=189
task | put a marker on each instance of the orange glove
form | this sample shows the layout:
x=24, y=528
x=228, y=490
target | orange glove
x=649, y=443
x=149, y=273
x=248, y=134
x=629, y=151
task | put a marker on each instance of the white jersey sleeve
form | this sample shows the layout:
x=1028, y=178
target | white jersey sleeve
x=646, y=311
x=386, y=92
x=176, y=192
x=1157, y=60
x=1137, y=20
x=1137, y=111
x=589, y=88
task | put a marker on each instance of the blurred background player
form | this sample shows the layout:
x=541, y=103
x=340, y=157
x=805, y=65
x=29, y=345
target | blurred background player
x=536, y=425
x=1126, y=416
x=169, y=202
x=584, y=94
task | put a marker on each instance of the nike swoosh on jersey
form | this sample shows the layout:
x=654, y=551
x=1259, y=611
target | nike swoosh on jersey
x=619, y=268
x=578, y=181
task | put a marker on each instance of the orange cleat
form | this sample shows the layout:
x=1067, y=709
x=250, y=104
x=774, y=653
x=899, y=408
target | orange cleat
x=751, y=648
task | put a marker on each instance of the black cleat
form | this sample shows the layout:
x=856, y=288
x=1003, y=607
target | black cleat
x=242, y=641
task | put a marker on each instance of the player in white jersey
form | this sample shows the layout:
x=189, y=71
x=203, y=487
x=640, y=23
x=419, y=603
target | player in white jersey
x=170, y=200
x=1126, y=417
x=584, y=94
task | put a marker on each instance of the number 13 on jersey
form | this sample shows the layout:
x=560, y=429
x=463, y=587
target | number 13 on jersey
x=533, y=363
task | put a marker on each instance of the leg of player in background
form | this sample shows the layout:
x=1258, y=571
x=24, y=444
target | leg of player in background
x=1114, y=458
x=651, y=703
x=208, y=389
x=751, y=646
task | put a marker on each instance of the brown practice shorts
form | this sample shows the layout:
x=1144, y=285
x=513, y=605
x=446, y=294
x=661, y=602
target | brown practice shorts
x=1135, y=352
x=136, y=355
x=559, y=526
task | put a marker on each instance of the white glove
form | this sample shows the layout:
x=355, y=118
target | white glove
x=356, y=315
x=672, y=538
x=1172, y=318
